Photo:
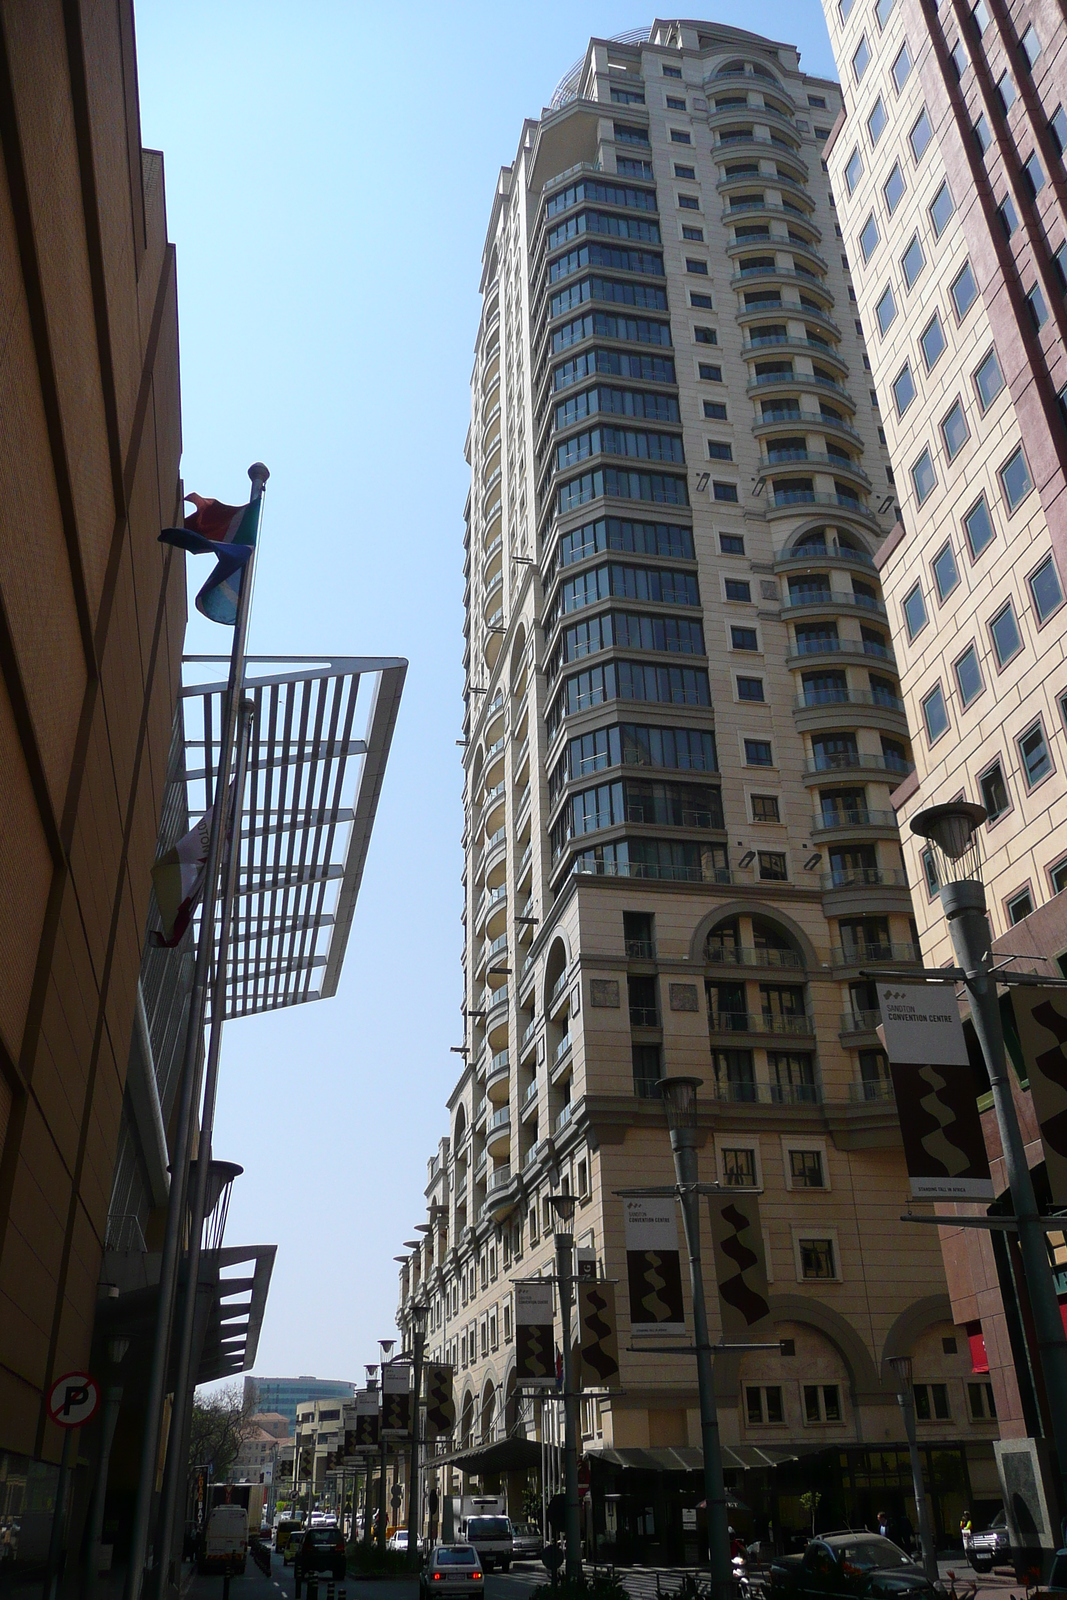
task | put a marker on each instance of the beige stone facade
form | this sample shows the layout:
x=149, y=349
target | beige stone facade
x=683, y=728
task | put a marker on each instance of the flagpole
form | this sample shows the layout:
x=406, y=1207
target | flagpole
x=185, y=1379
x=172, y=1239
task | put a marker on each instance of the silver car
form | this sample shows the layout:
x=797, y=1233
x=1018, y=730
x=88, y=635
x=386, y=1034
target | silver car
x=452, y=1569
x=992, y=1547
x=526, y=1541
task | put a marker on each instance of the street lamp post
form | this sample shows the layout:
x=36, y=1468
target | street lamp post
x=953, y=834
x=680, y=1098
x=383, y=1515
x=418, y=1339
x=902, y=1368
x=563, y=1206
x=372, y=1376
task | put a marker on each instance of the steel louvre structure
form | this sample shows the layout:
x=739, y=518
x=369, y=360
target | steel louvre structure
x=320, y=741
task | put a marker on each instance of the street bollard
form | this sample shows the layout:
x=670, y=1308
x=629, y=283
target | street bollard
x=226, y=1584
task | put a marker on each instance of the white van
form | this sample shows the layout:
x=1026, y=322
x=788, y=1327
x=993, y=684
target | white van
x=225, y=1540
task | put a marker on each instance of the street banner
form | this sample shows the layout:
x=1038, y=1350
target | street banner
x=653, y=1265
x=585, y=1262
x=1041, y=1018
x=598, y=1334
x=396, y=1400
x=935, y=1092
x=440, y=1403
x=367, y=1414
x=740, y=1263
x=535, y=1366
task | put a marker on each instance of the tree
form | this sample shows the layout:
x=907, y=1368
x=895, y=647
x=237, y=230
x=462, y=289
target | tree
x=221, y=1421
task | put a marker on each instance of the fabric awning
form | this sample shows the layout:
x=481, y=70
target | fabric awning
x=501, y=1455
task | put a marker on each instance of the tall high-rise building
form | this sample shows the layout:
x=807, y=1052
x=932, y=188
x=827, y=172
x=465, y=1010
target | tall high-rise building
x=284, y=1395
x=947, y=167
x=683, y=727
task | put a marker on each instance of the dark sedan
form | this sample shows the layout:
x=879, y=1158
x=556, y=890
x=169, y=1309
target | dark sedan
x=320, y=1550
x=838, y=1566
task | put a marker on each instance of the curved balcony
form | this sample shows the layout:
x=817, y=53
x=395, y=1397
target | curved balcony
x=774, y=241
x=818, y=768
x=787, y=501
x=497, y=1077
x=735, y=955
x=768, y=208
x=773, y=149
x=780, y=420
x=491, y=375
x=497, y=947
x=853, y=1022
x=728, y=1024
x=753, y=349
x=887, y=953
x=840, y=466
x=862, y=878
x=496, y=849
x=782, y=277
x=809, y=652
x=816, y=699
x=808, y=382
x=501, y=1191
x=498, y=1134
x=490, y=900
x=847, y=824
x=832, y=554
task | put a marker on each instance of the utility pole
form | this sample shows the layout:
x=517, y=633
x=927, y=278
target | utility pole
x=564, y=1206
x=418, y=1340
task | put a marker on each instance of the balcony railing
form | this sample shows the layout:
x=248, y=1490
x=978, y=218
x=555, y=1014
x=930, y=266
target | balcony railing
x=870, y=1091
x=496, y=998
x=765, y=1022
x=863, y=878
x=741, y=1092
x=559, y=985
x=862, y=955
x=833, y=696
x=666, y=872
x=532, y=1154
x=528, y=1033
x=531, y=1093
x=852, y=761
x=499, y=1063
x=563, y=1047
x=798, y=599
x=644, y=1017
x=500, y=1119
x=731, y=955
x=563, y=1118
x=860, y=1021
x=641, y=949
x=859, y=817
x=500, y=1177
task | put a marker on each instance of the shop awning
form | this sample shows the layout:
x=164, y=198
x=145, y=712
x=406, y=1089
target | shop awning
x=688, y=1458
x=501, y=1455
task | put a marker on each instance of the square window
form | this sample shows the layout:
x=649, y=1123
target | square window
x=1031, y=45
x=758, y=753
x=978, y=525
x=1009, y=218
x=954, y=431
x=893, y=189
x=1006, y=90
x=684, y=172
x=1005, y=631
x=817, y=1261
x=964, y=291
x=903, y=389
x=765, y=808
x=678, y=136
x=932, y=341
x=994, y=792
x=861, y=58
x=923, y=476
x=935, y=715
x=700, y=302
x=732, y=544
x=1035, y=176
x=901, y=68
x=1045, y=590
x=817, y=102
x=754, y=1405
x=708, y=336
x=1015, y=477
x=718, y=451
x=869, y=237
x=914, y=611
x=689, y=202
x=1033, y=748
x=674, y=104
x=738, y=589
x=969, y=675
x=739, y=1168
x=1019, y=906
x=743, y=639
x=886, y=310
x=672, y=72
x=941, y=208
x=1038, y=308
x=726, y=492
x=920, y=136
x=715, y=409
x=982, y=133
x=854, y=170
x=700, y=268
x=750, y=688
x=772, y=867
x=696, y=234
x=912, y=261
x=946, y=576
x=709, y=372
x=988, y=380
x=773, y=1398
x=876, y=122
x=805, y=1169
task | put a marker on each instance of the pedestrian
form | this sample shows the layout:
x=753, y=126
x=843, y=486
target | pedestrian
x=966, y=1532
x=881, y=1524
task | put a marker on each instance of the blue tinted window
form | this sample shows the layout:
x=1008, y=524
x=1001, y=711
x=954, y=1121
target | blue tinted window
x=914, y=612
x=978, y=526
x=1015, y=476
x=945, y=575
x=969, y=675
x=934, y=714
x=1005, y=631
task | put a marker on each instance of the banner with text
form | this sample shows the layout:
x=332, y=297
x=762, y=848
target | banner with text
x=935, y=1092
x=535, y=1351
x=367, y=1413
x=396, y=1401
x=598, y=1334
x=653, y=1265
x=1041, y=1017
x=440, y=1404
x=740, y=1263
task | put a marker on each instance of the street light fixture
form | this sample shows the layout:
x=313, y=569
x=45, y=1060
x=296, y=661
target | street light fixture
x=418, y=1313
x=953, y=834
x=902, y=1370
x=680, y=1102
x=563, y=1207
x=386, y=1347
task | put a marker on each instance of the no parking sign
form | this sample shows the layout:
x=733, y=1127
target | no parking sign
x=73, y=1400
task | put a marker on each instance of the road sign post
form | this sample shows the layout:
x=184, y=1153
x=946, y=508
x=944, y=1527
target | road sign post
x=72, y=1402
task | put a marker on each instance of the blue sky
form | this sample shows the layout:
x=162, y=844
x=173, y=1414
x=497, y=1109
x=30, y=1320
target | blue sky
x=330, y=168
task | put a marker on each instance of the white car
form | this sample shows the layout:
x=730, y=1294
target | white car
x=398, y=1541
x=456, y=1568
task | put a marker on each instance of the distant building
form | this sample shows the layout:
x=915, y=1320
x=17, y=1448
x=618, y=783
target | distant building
x=283, y=1395
x=274, y=1423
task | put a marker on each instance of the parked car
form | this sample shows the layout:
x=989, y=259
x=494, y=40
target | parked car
x=322, y=1549
x=991, y=1547
x=452, y=1569
x=398, y=1541
x=846, y=1565
x=526, y=1541
x=491, y=1537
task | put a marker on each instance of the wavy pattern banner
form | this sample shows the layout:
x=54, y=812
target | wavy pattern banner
x=1042, y=1023
x=740, y=1265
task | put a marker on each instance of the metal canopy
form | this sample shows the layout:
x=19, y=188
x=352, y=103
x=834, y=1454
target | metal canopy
x=320, y=739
